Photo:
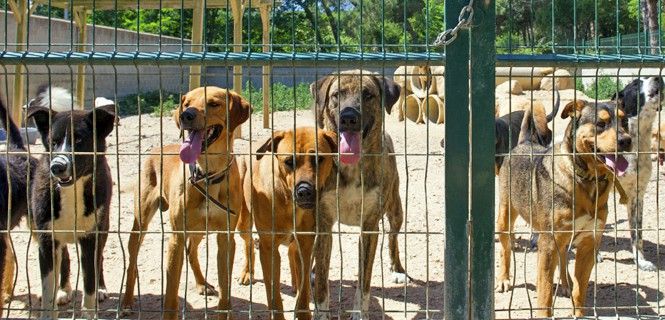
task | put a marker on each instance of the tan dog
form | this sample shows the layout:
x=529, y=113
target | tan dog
x=658, y=143
x=283, y=191
x=209, y=115
x=564, y=198
x=352, y=105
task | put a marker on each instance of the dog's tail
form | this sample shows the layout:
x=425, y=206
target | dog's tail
x=555, y=109
x=534, y=127
x=14, y=135
x=56, y=98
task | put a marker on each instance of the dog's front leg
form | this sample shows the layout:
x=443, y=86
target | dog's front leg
x=547, y=263
x=226, y=246
x=174, y=260
x=322, y=250
x=49, y=265
x=88, y=262
x=635, y=211
x=367, y=250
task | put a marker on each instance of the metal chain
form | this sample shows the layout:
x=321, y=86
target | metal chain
x=464, y=22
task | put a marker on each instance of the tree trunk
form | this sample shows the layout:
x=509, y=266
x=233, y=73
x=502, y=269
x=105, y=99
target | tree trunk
x=331, y=20
x=310, y=16
x=644, y=10
x=652, y=6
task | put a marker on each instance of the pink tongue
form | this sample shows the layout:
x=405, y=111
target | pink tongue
x=618, y=164
x=349, y=147
x=191, y=147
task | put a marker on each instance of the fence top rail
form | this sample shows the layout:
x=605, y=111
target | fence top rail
x=337, y=59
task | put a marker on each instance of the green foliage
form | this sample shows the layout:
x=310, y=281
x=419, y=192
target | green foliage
x=282, y=97
x=602, y=89
x=148, y=103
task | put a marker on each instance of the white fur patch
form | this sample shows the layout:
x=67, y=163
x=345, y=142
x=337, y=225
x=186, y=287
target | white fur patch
x=361, y=303
x=72, y=223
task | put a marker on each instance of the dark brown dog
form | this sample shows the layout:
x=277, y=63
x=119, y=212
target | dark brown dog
x=563, y=197
x=209, y=115
x=283, y=191
x=352, y=105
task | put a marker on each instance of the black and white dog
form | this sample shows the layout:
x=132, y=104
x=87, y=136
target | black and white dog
x=71, y=195
x=14, y=201
x=641, y=100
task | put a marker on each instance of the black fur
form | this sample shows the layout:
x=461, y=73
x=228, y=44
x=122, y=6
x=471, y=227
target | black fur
x=631, y=98
x=16, y=172
x=90, y=129
x=507, y=132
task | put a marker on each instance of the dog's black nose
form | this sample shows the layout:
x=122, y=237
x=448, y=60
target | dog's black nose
x=624, y=143
x=59, y=167
x=305, y=193
x=187, y=116
x=349, y=120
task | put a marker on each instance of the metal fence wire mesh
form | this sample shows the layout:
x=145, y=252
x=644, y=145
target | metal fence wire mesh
x=331, y=159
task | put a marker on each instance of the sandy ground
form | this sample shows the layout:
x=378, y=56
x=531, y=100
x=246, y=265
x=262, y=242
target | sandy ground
x=616, y=288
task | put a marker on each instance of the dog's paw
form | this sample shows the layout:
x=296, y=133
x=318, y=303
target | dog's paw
x=400, y=277
x=357, y=316
x=646, y=265
x=563, y=291
x=319, y=315
x=206, y=289
x=102, y=294
x=245, y=278
x=599, y=258
x=64, y=296
x=503, y=285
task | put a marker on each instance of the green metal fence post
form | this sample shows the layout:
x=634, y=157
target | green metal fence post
x=482, y=160
x=456, y=256
x=469, y=258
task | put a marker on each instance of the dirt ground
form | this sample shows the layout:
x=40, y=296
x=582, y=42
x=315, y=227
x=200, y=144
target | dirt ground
x=617, y=287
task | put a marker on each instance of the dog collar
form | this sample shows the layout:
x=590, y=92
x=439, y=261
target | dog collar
x=210, y=179
x=623, y=196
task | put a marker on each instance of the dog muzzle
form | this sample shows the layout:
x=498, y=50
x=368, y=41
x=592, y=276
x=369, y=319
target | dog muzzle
x=61, y=168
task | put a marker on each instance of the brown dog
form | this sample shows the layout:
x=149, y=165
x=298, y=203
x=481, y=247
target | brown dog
x=209, y=115
x=282, y=191
x=564, y=198
x=352, y=104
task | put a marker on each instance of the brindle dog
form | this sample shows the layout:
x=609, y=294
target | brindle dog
x=352, y=104
x=563, y=197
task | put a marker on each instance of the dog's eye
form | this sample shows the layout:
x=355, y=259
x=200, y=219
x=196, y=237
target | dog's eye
x=213, y=105
x=78, y=141
x=367, y=95
x=288, y=162
x=334, y=95
x=600, y=125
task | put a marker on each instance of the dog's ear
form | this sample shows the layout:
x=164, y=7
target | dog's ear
x=270, y=144
x=390, y=91
x=42, y=117
x=103, y=119
x=331, y=139
x=573, y=108
x=176, y=114
x=319, y=90
x=239, y=110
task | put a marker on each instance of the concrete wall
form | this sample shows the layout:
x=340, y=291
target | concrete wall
x=124, y=79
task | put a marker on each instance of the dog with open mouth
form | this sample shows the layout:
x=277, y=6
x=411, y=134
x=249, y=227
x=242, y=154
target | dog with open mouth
x=352, y=104
x=206, y=200
x=562, y=191
x=641, y=99
x=71, y=198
